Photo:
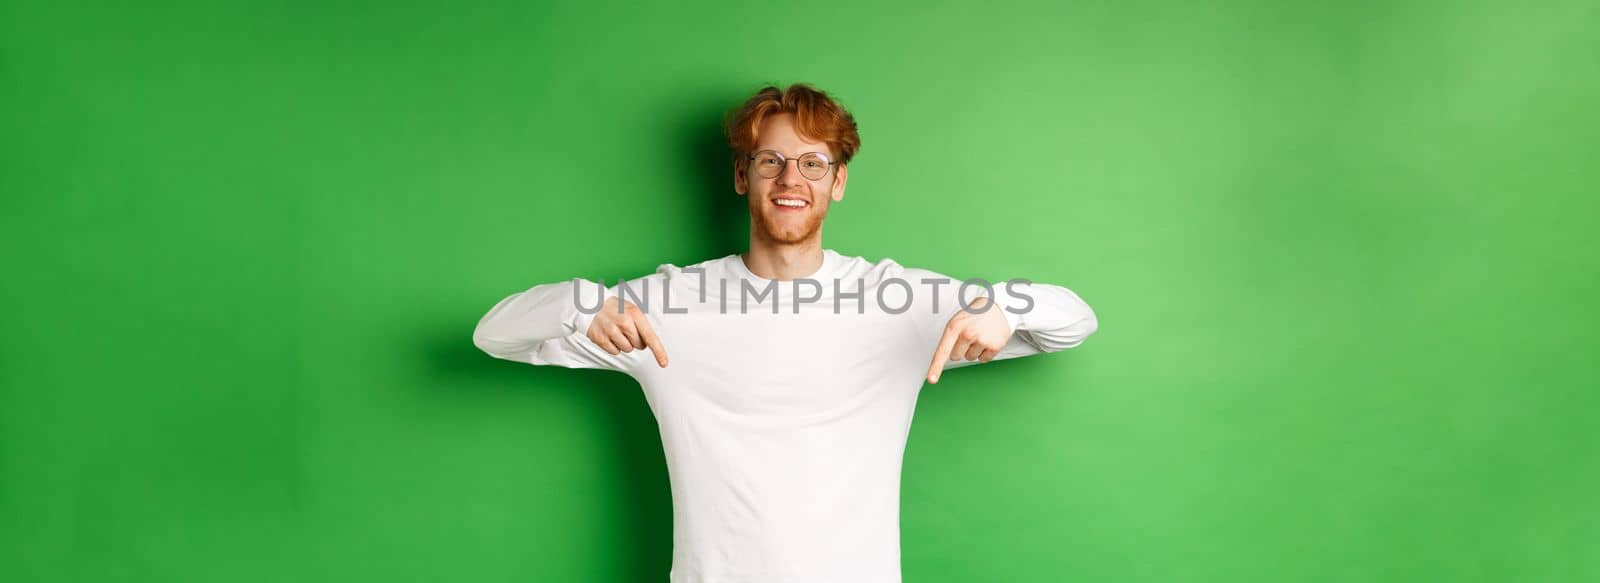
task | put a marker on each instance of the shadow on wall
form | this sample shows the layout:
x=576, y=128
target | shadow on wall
x=458, y=370
x=697, y=136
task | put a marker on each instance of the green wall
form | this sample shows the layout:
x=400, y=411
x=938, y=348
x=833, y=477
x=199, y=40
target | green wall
x=1343, y=256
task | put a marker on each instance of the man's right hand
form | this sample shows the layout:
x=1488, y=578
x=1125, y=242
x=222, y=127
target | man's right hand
x=625, y=331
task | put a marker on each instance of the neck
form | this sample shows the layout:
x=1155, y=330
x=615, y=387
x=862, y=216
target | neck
x=783, y=262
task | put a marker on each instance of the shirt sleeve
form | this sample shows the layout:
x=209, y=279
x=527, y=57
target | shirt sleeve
x=544, y=326
x=1042, y=317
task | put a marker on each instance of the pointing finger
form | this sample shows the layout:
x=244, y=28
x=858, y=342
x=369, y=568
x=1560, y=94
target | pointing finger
x=942, y=353
x=648, y=334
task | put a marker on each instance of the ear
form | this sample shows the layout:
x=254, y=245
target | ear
x=738, y=175
x=839, y=178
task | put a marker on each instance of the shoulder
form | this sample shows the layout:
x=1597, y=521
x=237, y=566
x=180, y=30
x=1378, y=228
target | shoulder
x=693, y=272
x=895, y=284
x=853, y=267
x=694, y=279
x=891, y=269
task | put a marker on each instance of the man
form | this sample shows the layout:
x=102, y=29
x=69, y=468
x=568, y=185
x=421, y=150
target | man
x=794, y=370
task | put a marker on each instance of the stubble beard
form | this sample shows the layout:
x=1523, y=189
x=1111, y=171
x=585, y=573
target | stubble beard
x=772, y=229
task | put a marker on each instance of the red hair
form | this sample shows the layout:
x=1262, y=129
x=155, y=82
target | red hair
x=817, y=117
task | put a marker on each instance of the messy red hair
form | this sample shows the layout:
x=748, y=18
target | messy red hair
x=817, y=117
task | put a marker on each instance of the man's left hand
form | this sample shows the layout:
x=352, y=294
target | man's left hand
x=971, y=336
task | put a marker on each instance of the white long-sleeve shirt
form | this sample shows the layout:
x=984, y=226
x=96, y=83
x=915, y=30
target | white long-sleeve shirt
x=784, y=432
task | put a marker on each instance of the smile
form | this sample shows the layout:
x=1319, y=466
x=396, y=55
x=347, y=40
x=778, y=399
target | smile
x=788, y=203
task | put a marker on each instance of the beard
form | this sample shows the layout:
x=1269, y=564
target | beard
x=785, y=230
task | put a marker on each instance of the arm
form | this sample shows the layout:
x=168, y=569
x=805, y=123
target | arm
x=1057, y=319
x=543, y=326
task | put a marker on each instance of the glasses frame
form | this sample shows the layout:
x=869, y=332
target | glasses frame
x=821, y=155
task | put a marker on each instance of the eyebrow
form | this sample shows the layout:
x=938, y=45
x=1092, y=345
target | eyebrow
x=824, y=153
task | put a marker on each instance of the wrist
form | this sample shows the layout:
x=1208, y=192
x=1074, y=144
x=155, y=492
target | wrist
x=1005, y=302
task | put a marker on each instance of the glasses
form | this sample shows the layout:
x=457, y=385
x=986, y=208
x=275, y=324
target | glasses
x=812, y=165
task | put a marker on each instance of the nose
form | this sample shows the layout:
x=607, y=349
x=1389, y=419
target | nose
x=790, y=178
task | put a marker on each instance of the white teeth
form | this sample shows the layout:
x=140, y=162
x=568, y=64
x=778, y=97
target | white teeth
x=790, y=202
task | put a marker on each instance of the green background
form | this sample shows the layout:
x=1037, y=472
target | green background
x=1343, y=259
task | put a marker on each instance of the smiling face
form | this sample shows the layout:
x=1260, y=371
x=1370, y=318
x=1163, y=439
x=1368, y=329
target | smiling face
x=788, y=209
